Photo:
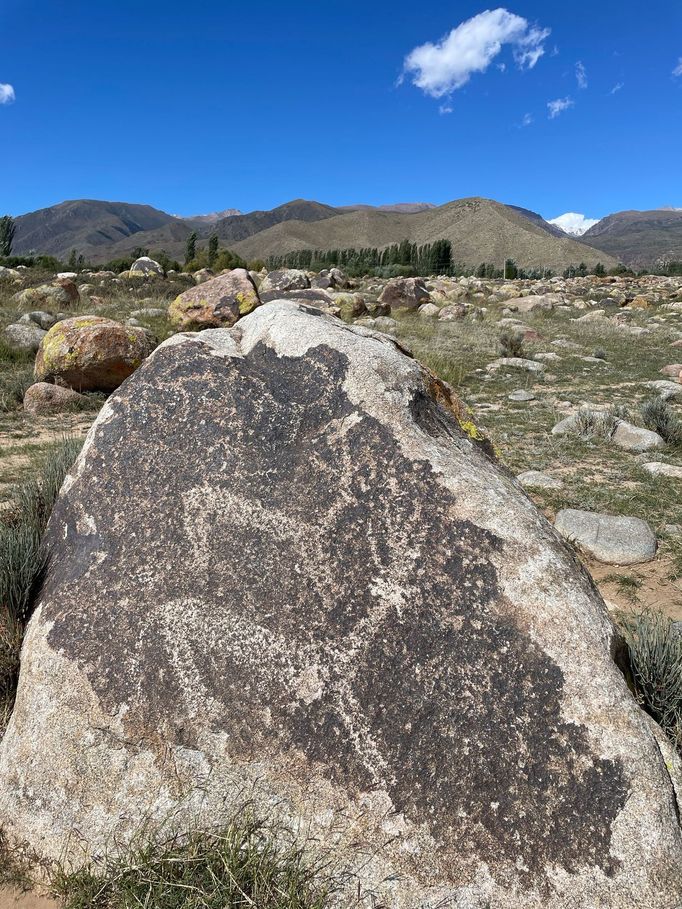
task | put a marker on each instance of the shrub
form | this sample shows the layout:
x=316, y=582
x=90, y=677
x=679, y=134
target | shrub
x=511, y=344
x=246, y=864
x=659, y=416
x=655, y=650
x=597, y=424
x=22, y=560
x=13, y=384
x=599, y=354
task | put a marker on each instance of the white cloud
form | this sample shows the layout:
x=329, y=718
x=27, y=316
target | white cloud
x=559, y=106
x=441, y=68
x=445, y=109
x=581, y=75
x=678, y=69
x=7, y=94
x=573, y=223
x=616, y=88
x=527, y=120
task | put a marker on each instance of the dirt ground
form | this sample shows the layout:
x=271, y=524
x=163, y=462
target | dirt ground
x=10, y=899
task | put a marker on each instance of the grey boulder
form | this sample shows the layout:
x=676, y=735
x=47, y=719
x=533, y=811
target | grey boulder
x=283, y=280
x=44, y=320
x=635, y=438
x=327, y=597
x=535, y=479
x=614, y=539
x=24, y=336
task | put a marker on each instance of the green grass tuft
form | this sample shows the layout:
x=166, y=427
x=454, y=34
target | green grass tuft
x=22, y=560
x=655, y=649
x=246, y=864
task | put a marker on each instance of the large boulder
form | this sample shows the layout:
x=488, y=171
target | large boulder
x=145, y=267
x=220, y=301
x=90, y=353
x=405, y=293
x=285, y=570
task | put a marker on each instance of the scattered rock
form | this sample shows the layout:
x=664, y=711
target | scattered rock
x=218, y=302
x=385, y=324
x=428, y=311
x=544, y=302
x=90, y=353
x=24, y=336
x=52, y=296
x=615, y=540
x=635, y=438
x=45, y=398
x=455, y=312
x=144, y=267
x=659, y=469
x=405, y=293
x=666, y=389
x=44, y=320
x=285, y=279
x=521, y=396
x=516, y=363
x=149, y=312
x=534, y=479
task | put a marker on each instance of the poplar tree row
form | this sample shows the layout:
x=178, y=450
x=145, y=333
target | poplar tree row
x=428, y=259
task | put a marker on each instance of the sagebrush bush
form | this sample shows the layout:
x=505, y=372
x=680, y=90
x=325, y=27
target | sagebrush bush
x=511, y=344
x=655, y=649
x=659, y=416
x=246, y=864
x=600, y=424
x=22, y=560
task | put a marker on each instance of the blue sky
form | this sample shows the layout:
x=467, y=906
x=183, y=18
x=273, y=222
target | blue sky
x=193, y=107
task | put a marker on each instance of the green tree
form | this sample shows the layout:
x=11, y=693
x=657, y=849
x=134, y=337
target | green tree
x=191, y=248
x=7, y=230
x=212, y=250
x=599, y=270
x=73, y=260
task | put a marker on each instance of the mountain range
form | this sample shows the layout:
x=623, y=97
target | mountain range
x=480, y=230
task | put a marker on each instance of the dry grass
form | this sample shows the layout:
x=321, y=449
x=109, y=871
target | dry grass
x=247, y=863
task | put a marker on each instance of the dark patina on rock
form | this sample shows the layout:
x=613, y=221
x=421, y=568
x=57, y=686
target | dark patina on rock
x=325, y=592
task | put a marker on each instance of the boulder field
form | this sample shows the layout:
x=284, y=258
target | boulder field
x=287, y=569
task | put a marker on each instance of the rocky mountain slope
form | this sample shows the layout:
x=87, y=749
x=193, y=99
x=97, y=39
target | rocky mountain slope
x=96, y=229
x=480, y=230
x=639, y=238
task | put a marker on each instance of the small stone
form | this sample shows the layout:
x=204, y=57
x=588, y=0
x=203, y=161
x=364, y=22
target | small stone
x=44, y=320
x=44, y=398
x=26, y=336
x=521, y=395
x=516, y=363
x=534, y=479
x=385, y=324
x=666, y=389
x=659, y=469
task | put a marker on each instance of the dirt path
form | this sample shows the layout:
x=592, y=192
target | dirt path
x=10, y=899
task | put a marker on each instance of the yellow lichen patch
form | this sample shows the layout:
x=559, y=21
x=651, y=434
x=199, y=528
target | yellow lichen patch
x=246, y=303
x=446, y=397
